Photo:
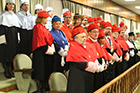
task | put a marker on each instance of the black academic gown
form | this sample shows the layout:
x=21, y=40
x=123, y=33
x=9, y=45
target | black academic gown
x=9, y=50
x=26, y=41
x=79, y=80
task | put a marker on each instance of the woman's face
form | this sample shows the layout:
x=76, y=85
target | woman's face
x=85, y=21
x=44, y=21
x=37, y=10
x=10, y=6
x=57, y=25
x=78, y=22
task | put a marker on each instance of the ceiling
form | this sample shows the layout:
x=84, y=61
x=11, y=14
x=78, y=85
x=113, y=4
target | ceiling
x=129, y=5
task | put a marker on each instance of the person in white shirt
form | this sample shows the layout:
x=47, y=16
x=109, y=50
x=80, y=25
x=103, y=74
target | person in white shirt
x=9, y=27
x=26, y=29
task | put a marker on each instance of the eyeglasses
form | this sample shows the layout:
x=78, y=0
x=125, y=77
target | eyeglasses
x=57, y=24
x=85, y=20
x=95, y=32
x=67, y=17
x=108, y=28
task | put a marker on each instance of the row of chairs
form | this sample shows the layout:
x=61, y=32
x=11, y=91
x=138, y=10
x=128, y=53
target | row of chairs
x=23, y=69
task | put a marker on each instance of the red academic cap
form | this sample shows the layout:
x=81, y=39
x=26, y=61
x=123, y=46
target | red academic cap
x=121, y=29
x=107, y=24
x=101, y=33
x=92, y=26
x=99, y=18
x=96, y=21
x=77, y=30
x=121, y=24
x=102, y=22
x=67, y=13
x=126, y=26
x=115, y=29
x=43, y=13
x=90, y=19
x=114, y=25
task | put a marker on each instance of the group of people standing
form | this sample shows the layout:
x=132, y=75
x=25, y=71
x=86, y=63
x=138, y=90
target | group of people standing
x=94, y=51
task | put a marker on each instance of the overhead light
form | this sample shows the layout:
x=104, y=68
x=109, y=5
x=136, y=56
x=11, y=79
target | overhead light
x=129, y=0
x=138, y=7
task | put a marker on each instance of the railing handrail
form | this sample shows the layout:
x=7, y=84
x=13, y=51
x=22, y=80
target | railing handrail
x=103, y=88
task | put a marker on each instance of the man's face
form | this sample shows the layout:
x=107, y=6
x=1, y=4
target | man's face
x=67, y=19
x=25, y=7
x=114, y=35
x=81, y=38
x=126, y=37
x=107, y=31
x=94, y=33
x=138, y=35
x=131, y=37
x=122, y=34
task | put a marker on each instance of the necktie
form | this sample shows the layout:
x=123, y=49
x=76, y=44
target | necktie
x=109, y=40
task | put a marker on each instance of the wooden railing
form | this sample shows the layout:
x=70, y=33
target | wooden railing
x=124, y=83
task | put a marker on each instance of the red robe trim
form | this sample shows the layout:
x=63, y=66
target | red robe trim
x=119, y=51
x=41, y=36
x=123, y=43
x=78, y=53
x=107, y=45
x=107, y=57
x=95, y=47
x=67, y=31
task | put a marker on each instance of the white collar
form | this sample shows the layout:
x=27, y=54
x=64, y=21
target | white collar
x=107, y=37
x=102, y=45
x=92, y=39
x=84, y=46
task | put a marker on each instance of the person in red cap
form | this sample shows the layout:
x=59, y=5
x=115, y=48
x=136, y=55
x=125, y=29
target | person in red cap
x=125, y=27
x=125, y=48
x=111, y=47
x=114, y=34
x=93, y=31
x=90, y=20
x=99, y=18
x=101, y=24
x=82, y=64
x=42, y=44
x=121, y=24
x=66, y=26
x=101, y=40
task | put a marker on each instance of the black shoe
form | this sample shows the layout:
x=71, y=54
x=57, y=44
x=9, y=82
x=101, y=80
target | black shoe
x=7, y=75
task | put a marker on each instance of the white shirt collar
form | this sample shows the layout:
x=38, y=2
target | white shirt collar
x=92, y=39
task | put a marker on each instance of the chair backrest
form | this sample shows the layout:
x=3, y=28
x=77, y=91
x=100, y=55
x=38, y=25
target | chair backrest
x=57, y=82
x=22, y=61
x=66, y=74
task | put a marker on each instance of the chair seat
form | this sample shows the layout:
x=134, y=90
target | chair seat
x=4, y=82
